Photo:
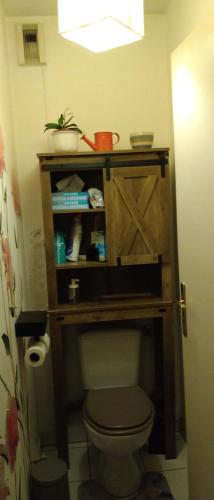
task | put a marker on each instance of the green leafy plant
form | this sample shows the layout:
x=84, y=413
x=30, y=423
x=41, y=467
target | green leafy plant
x=64, y=123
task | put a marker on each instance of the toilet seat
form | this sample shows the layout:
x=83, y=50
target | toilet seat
x=118, y=411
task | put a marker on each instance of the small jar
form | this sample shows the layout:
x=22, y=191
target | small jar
x=73, y=291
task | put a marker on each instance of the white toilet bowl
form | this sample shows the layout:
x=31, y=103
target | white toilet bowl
x=119, y=421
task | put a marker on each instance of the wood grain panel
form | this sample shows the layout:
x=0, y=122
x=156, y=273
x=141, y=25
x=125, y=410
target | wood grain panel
x=137, y=214
x=49, y=238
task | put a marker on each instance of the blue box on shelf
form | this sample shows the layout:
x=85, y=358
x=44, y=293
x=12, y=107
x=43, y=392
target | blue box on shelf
x=69, y=200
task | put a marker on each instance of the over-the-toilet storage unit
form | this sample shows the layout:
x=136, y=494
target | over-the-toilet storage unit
x=135, y=280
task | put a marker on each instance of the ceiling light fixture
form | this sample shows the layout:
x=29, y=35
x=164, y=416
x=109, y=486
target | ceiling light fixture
x=101, y=25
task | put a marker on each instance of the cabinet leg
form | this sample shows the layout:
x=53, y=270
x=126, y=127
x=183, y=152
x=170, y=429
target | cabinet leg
x=169, y=385
x=59, y=388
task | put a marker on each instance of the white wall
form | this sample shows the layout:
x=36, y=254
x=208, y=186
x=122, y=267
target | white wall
x=183, y=16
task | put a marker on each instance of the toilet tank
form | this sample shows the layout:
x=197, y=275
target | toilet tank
x=110, y=357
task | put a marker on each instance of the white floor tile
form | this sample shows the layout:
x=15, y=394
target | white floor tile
x=178, y=483
x=159, y=463
x=73, y=490
x=78, y=460
x=76, y=428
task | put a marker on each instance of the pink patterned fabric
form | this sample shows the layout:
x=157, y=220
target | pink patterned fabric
x=15, y=193
x=7, y=262
x=12, y=431
x=4, y=491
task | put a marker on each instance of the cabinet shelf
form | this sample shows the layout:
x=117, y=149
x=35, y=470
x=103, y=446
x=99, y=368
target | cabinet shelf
x=99, y=305
x=79, y=210
x=81, y=264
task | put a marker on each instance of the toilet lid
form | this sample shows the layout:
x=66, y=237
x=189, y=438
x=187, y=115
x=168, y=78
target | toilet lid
x=118, y=408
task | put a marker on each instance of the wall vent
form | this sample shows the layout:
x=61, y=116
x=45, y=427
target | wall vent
x=30, y=42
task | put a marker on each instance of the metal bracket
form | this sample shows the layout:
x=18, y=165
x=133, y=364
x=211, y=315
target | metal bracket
x=163, y=162
x=107, y=167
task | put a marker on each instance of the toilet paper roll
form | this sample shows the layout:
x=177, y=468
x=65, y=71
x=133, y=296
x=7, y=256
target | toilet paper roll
x=36, y=351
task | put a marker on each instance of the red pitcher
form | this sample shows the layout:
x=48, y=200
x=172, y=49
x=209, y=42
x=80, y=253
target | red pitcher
x=103, y=141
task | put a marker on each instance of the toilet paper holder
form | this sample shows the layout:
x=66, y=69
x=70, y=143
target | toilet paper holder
x=31, y=324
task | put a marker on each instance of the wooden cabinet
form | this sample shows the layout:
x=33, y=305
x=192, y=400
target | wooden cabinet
x=134, y=281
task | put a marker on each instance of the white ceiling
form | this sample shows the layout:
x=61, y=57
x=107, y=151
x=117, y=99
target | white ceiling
x=49, y=7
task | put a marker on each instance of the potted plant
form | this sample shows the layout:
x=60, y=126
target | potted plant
x=66, y=133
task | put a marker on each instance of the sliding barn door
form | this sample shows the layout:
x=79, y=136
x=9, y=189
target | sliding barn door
x=137, y=215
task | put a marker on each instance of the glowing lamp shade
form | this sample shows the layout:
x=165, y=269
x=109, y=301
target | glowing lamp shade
x=101, y=25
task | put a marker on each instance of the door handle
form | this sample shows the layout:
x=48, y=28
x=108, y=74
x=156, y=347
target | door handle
x=181, y=304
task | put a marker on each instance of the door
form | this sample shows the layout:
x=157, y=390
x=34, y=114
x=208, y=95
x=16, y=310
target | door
x=193, y=112
x=137, y=215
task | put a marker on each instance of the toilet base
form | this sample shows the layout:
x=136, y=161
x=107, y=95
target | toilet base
x=120, y=476
x=94, y=490
x=153, y=485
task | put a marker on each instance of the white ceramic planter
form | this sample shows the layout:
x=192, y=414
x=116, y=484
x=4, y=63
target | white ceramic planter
x=65, y=141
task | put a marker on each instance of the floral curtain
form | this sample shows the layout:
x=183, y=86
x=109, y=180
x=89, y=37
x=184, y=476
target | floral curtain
x=14, y=442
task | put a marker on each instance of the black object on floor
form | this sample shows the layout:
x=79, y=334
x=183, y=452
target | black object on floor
x=49, y=480
x=154, y=486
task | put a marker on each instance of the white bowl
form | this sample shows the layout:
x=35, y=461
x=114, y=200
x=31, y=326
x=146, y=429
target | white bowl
x=141, y=140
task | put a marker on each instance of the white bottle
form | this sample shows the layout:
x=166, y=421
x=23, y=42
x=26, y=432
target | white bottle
x=73, y=247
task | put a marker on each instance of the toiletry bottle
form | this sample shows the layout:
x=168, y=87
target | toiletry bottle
x=59, y=248
x=73, y=246
x=73, y=291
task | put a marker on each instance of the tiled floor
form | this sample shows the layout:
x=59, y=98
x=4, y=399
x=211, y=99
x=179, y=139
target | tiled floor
x=84, y=460
x=175, y=471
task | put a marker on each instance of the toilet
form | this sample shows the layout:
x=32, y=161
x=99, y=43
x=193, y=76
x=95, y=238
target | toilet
x=117, y=413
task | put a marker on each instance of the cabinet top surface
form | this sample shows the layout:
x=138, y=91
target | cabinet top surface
x=50, y=161
x=86, y=154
